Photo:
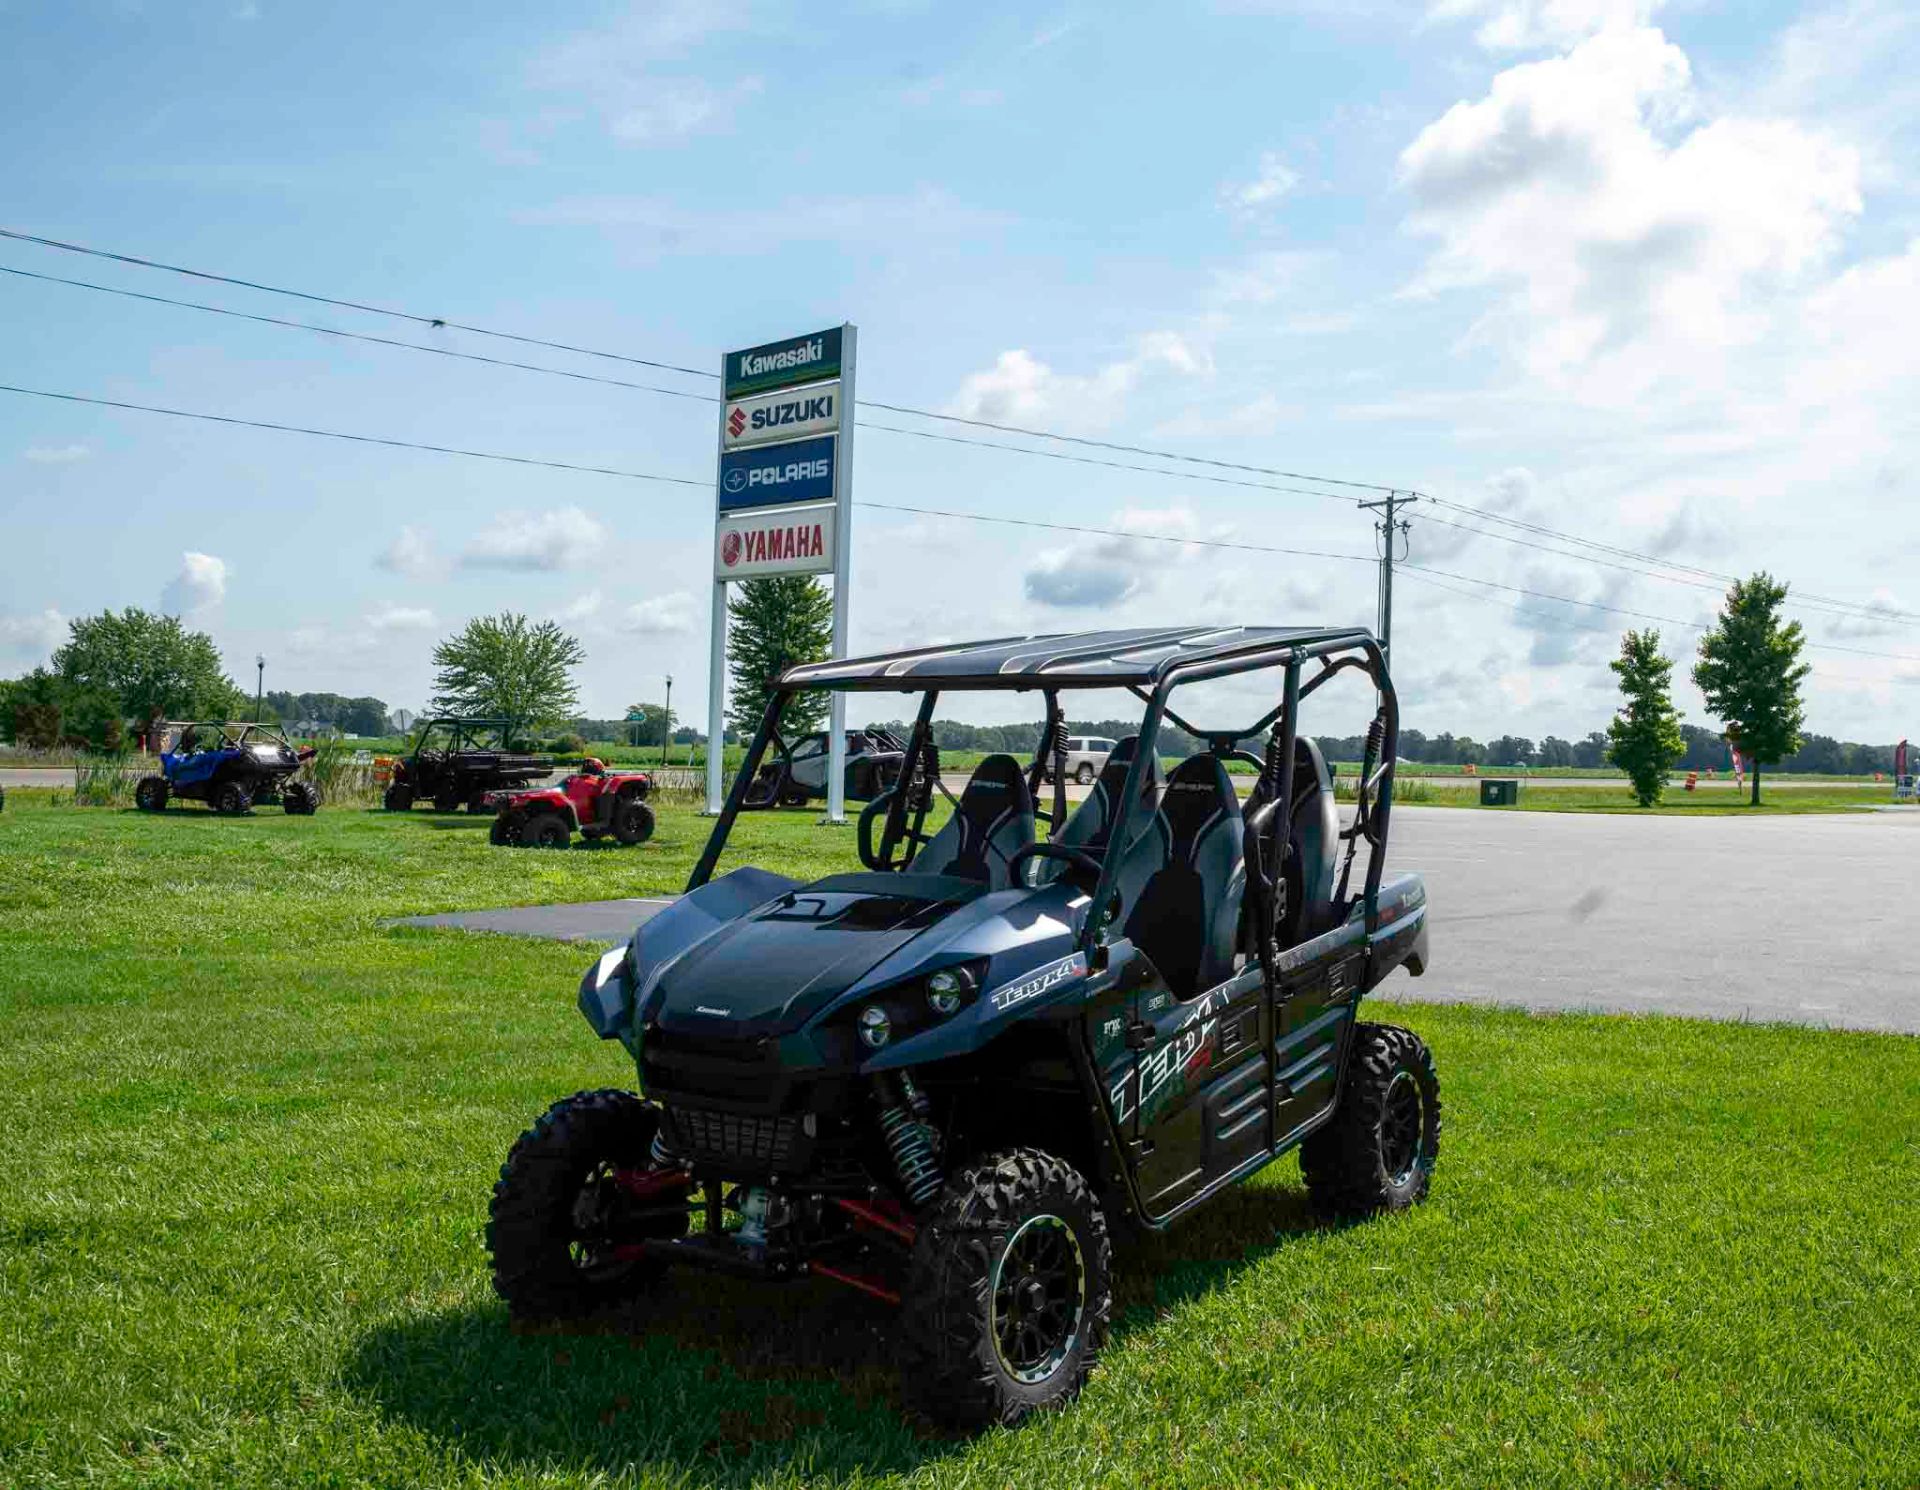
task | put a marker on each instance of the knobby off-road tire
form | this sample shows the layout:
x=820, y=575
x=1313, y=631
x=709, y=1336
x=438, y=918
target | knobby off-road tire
x=546, y=1228
x=1378, y=1150
x=1084, y=775
x=1008, y=1292
x=632, y=821
x=151, y=794
x=398, y=798
x=231, y=799
x=299, y=799
x=447, y=801
x=507, y=829
x=545, y=830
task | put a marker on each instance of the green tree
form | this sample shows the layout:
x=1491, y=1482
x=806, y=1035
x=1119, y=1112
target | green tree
x=1750, y=673
x=148, y=666
x=505, y=667
x=1644, y=738
x=775, y=623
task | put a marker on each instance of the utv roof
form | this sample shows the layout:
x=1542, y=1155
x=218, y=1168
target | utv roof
x=1139, y=657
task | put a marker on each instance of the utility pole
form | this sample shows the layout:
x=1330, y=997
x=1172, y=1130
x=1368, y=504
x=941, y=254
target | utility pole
x=1387, y=531
x=259, y=685
x=666, y=727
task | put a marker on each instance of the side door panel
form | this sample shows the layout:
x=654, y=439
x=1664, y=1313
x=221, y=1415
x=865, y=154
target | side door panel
x=1312, y=1023
x=1203, y=1107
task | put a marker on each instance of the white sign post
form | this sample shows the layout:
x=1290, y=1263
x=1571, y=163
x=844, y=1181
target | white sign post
x=783, y=504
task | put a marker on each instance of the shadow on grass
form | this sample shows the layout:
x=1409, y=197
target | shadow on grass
x=729, y=1381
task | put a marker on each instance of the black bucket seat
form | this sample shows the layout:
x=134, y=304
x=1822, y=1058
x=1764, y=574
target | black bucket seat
x=1314, y=831
x=992, y=822
x=1090, y=828
x=1182, y=880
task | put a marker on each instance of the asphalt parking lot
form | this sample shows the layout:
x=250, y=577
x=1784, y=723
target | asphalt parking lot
x=1807, y=920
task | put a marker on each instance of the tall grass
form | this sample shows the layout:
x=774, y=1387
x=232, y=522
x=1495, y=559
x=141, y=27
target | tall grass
x=101, y=780
x=338, y=777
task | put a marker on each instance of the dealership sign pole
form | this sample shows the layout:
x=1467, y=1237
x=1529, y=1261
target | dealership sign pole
x=783, y=503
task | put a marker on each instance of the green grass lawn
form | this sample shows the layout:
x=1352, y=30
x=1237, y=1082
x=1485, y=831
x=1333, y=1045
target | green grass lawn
x=1709, y=800
x=251, y=1136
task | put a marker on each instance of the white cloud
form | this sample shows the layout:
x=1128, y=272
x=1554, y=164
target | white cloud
x=563, y=538
x=1019, y=388
x=581, y=608
x=636, y=75
x=1611, y=234
x=411, y=554
x=1885, y=616
x=1273, y=181
x=1101, y=570
x=663, y=615
x=400, y=618
x=200, y=585
x=33, y=636
x=1521, y=25
x=56, y=455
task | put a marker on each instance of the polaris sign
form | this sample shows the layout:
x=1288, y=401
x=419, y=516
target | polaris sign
x=798, y=471
x=781, y=364
x=781, y=416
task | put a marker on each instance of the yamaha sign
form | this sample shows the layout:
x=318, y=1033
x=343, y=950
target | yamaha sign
x=781, y=540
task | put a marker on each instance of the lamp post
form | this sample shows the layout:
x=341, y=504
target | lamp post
x=259, y=684
x=666, y=725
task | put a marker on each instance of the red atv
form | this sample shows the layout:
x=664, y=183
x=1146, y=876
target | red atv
x=594, y=800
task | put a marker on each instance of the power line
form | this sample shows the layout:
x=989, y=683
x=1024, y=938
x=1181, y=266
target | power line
x=441, y=322
x=334, y=434
x=707, y=398
x=557, y=465
x=1819, y=606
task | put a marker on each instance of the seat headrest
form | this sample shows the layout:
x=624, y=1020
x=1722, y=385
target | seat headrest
x=1199, y=790
x=1113, y=772
x=997, y=786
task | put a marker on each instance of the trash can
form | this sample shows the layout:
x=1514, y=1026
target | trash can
x=1499, y=793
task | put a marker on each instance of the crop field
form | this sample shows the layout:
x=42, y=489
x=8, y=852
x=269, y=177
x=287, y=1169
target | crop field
x=252, y=1133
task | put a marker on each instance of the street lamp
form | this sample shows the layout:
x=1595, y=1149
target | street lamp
x=666, y=726
x=259, y=684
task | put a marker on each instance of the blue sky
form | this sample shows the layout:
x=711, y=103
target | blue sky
x=1645, y=273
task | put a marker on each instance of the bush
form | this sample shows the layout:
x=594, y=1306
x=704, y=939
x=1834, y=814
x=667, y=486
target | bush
x=568, y=744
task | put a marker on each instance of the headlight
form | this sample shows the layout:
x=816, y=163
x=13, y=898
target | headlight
x=947, y=989
x=875, y=1027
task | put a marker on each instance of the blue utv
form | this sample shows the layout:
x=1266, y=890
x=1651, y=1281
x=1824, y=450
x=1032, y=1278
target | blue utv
x=949, y=1081
x=230, y=767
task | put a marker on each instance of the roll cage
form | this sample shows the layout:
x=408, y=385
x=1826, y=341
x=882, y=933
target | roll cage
x=1148, y=664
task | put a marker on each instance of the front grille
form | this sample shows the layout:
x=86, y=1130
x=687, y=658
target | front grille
x=736, y=1141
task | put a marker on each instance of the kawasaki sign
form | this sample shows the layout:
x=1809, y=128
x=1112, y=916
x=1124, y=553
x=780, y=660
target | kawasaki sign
x=780, y=364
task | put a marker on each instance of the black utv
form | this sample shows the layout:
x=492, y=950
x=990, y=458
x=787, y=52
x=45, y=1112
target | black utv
x=951, y=1081
x=455, y=763
x=797, y=774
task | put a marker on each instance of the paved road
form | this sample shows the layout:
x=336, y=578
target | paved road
x=1814, y=920
x=1810, y=920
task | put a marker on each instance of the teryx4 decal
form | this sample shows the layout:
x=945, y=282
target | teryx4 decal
x=1038, y=982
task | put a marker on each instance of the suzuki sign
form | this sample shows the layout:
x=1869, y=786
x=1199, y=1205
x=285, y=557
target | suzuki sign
x=781, y=416
x=767, y=541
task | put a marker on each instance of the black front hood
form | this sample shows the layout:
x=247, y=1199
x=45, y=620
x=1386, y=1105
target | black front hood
x=780, y=964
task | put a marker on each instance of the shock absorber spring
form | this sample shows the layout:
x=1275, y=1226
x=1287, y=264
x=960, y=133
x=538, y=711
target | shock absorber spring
x=659, y=1155
x=908, y=1141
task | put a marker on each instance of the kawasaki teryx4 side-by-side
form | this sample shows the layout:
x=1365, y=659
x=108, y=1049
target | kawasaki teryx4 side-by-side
x=456, y=763
x=953, y=1080
x=230, y=767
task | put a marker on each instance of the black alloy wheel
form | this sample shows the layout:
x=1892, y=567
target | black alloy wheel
x=151, y=794
x=632, y=821
x=545, y=830
x=1039, y=1298
x=399, y=798
x=231, y=799
x=1085, y=774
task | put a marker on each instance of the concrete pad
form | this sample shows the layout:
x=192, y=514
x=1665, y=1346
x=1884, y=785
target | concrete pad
x=603, y=921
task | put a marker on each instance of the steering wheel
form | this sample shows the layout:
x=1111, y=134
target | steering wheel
x=877, y=807
x=1077, y=857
